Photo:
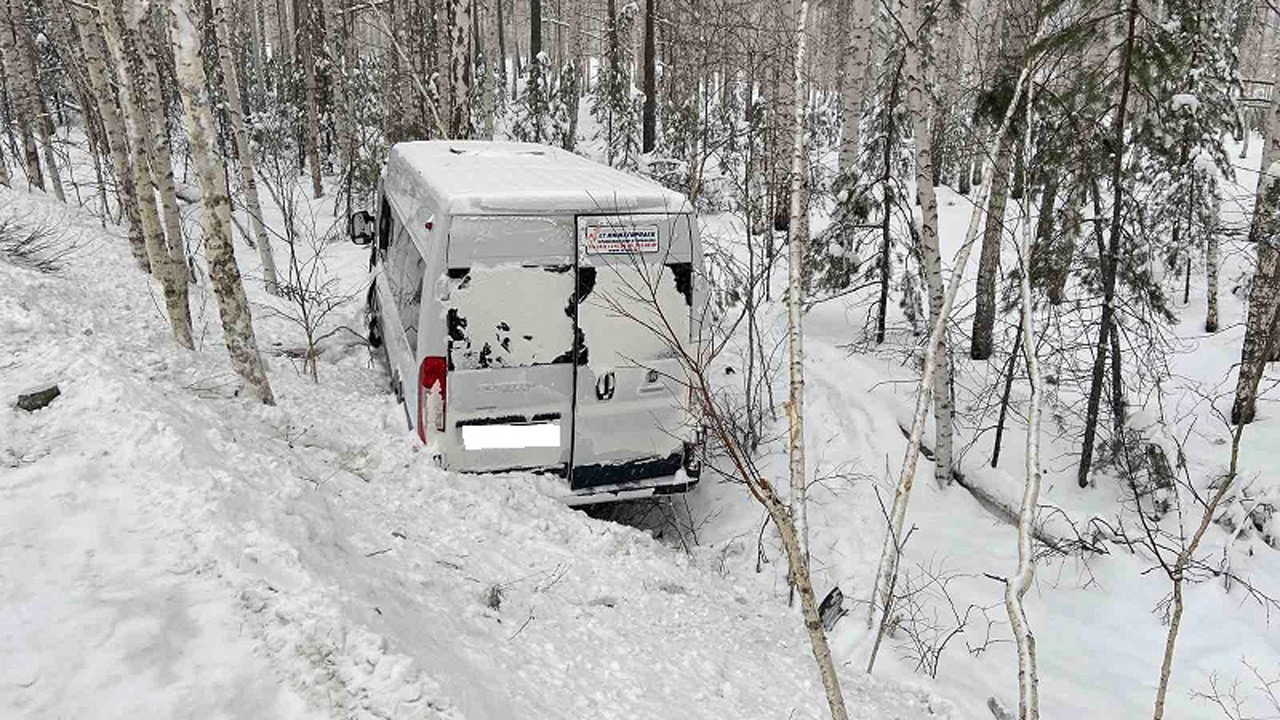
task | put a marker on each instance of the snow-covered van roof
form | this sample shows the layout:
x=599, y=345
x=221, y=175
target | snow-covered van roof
x=469, y=177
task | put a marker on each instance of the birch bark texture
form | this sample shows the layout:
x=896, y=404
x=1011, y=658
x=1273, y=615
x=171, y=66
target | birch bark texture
x=1016, y=588
x=90, y=31
x=19, y=92
x=128, y=62
x=930, y=252
x=460, y=68
x=856, y=14
x=1260, y=340
x=37, y=110
x=795, y=289
x=240, y=140
x=308, y=34
x=881, y=598
x=233, y=306
x=140, y=35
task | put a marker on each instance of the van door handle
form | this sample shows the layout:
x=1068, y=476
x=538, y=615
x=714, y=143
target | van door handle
x=605, y=385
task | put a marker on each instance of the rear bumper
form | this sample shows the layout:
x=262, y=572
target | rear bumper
x=630, y=481
x=678, y=483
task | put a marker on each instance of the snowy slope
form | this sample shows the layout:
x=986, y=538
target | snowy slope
x=171, y=549
x=1099, y=621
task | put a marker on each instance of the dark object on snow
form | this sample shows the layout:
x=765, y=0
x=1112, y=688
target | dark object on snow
x=493, y=597
x=832, y=608
x=38, y=397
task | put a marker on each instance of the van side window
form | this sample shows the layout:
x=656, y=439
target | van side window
x=384, y=226
x=405, y=269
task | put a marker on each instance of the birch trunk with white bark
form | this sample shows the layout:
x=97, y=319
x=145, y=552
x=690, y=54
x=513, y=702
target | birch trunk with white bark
x=931, y=256
x=173, y=279
x=138, y=34
x=857, y=15
x=307, y=52
x=780, y=515
x=233, y=306
x=460, y=68
x=1264, y=292
x=90, y=32
x=799, y=562
x=1016, y=588
x=881, y=597
x=38, y=109
x=795, y=289
x=336, y=44
x=240, y=141
x=23, y=116
x=1211, y=261
x=63, y=36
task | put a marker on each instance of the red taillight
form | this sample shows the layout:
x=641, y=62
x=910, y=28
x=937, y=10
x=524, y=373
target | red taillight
x=431, y=395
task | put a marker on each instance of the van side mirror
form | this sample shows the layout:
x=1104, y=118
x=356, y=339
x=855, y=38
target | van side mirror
x=360, y=227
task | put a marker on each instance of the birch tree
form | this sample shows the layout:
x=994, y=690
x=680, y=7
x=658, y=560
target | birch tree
x=90, y=32
x=460, y=68
x=71, y=63
x=240, y=141
x=857, y=15
x=1261, y=331
x=19, y=91
x=881, y=598
x=306, y=48
x=339, y=49
x=128, y=62
x=649, y=116
x=795, y=289
x=27, y=73
x=1016, y=588
x=147, y=54
x=931, y=256
x=233, y=306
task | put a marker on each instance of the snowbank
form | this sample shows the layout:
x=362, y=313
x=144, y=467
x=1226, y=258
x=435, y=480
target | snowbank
x=172, y=549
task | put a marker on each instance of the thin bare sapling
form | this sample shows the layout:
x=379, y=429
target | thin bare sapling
x=881, y=598
x=309, y=293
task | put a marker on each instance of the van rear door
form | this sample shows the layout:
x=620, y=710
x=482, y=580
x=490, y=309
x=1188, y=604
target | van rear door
x=635, y=289
x=509, y=318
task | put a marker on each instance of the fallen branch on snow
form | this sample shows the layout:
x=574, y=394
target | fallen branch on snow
x=1004, y=511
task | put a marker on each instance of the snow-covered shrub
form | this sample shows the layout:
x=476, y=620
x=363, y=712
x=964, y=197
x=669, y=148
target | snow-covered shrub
x=615, y=103
x=36, y=245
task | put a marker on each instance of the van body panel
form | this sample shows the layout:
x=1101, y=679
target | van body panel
x=630, y=421
x=533, y=273
x=509, y=323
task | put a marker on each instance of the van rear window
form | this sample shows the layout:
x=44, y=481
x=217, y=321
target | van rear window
x=510, y=315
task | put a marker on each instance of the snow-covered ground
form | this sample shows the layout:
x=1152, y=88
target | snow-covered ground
x=170, y=549
x=1099, y=620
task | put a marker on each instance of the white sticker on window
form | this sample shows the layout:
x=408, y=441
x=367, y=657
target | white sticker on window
x=616, y=240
